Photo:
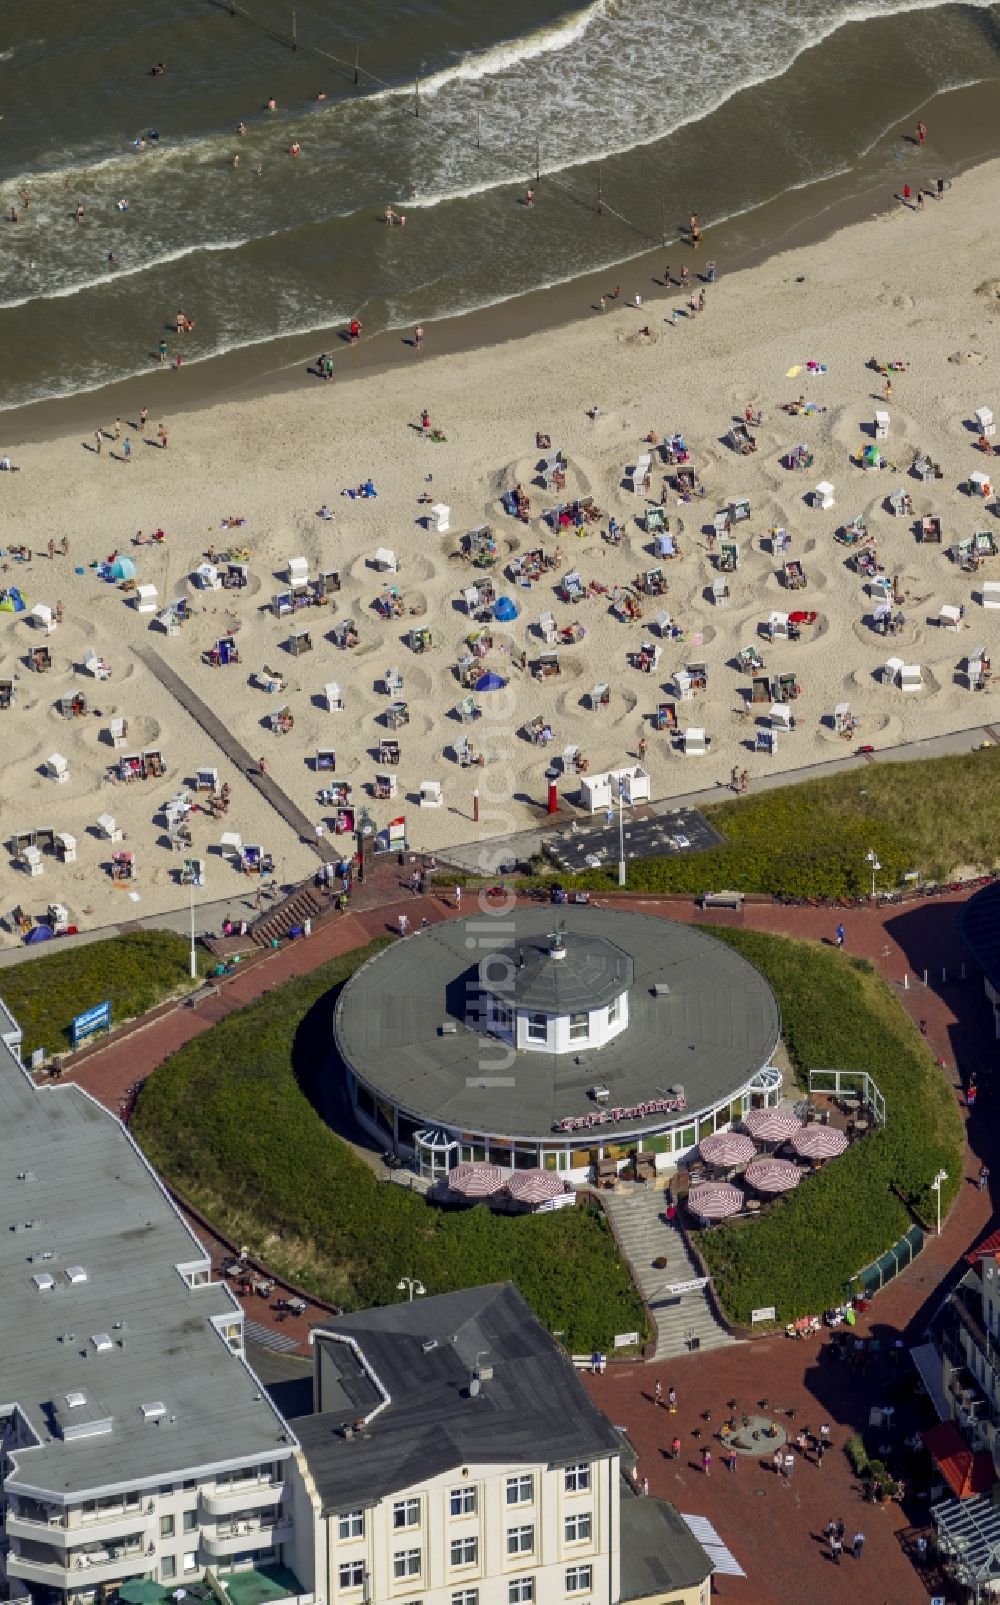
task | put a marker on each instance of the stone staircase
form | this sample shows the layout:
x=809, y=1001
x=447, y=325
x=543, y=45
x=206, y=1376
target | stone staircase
x=636, y=1215
x=304, y=904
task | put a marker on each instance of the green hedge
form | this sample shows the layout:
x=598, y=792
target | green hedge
x=228, y=1121
x=802, y=1253
x=136, y=972
x=809, y=840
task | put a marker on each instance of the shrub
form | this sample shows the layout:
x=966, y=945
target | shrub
x=857, y=1454
x=802, y=1254
x=228, y=1122
x=136, y=972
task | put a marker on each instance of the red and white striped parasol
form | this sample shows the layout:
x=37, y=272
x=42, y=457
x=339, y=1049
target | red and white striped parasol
x=727, y=1148
x=714, y=1200
x=474, y=1180
x=771, y=1175
x=534, y=1186
x=772, y=1125
x=819, y=1142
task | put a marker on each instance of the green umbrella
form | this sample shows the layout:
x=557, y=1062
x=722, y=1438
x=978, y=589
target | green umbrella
x=141, y=1591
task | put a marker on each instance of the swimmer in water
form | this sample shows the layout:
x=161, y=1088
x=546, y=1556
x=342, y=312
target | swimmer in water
x=294, y=148
x=236, y=161
x=272, y=104
x=12, y=216
x=241, y=128
x=319, y=95
x=122, y=205
x=258, y=172
x=158, y=70
x=80, y=213
x=113, y=259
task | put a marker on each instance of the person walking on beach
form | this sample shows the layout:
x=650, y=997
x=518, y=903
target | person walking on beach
x=163, y=351
x=921, y=134
x=163, y=437
x=604, y=303
x=418, y=337
x=118, y=429
x=143, y=416
x=98, y=437
x=127, y=450
x=888, y=390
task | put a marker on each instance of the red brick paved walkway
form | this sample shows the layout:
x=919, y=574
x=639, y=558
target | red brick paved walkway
x=773, y=1529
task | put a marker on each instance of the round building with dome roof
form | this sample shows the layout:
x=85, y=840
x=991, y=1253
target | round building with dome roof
x=570, y=1044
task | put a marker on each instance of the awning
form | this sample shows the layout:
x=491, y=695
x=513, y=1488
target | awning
x=965, y=1473
x=927, y=1360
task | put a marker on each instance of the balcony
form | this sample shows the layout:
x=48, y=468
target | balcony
x=84, y=1567
x=254, y=1494
x=56, y=1531
x=235, y=1538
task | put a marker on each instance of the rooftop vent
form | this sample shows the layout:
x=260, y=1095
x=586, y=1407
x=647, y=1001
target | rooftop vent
x=75, y=1400
x=102, y=1343
x=75, y=1274
x=484, y=1373
x=43, y=1281
x=661, y=990
x=449, y=1028
x=155, y=1411
x=429, y=1345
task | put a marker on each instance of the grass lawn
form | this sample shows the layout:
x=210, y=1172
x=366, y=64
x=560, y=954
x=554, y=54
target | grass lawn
x=935, y=816
x=837, y=1014
x=229, y=1122
x=136, y=972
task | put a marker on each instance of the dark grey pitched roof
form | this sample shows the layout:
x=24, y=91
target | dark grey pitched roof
x=423, y=1353
x=710, y=1033
x=590, y=972
x=659, y=1551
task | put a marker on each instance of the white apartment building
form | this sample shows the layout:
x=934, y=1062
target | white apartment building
x=135, y=1441
x=459, y=1460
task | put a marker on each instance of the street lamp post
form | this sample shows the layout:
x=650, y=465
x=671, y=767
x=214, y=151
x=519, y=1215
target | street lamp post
x=872, y=858
x=621, y=832
x=942, y=1176
x=194, y=955
x=411, y=1284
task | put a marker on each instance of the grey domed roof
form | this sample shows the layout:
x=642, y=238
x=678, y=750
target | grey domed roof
x=562, y=973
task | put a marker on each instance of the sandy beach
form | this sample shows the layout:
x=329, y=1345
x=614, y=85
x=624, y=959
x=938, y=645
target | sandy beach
x=915, y=286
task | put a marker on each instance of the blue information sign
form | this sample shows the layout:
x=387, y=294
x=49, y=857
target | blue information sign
x=92, y=1022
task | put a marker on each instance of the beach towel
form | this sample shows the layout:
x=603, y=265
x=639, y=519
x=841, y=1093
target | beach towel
x=793, y=373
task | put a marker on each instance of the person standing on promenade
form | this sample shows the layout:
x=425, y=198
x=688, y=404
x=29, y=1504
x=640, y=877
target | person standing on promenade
x=840, y=936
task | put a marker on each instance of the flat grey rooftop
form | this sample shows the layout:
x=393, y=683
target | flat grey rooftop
x=75, y=1191
x=533, y=1408
x=716, y=1027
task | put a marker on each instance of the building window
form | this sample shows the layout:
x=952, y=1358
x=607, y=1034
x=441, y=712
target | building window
x=520, y=1540
x=168, y=1567
x=166, y=1526
x=465, y=1596
x=538, y=1028
x=189, y=1521
x=463, y=1501
x=614, y=1011
x=503, y=1015
x=577, y=1478
x=521, y=1591
x=520, y=1490
x=352, y=1574
x=351, y=1524
x=578, y=1528
x=406, y=1513
x=579, y=1027
x=190, y=1561
x=464, y=1551
x=578, y=1579
x=406, y=1563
